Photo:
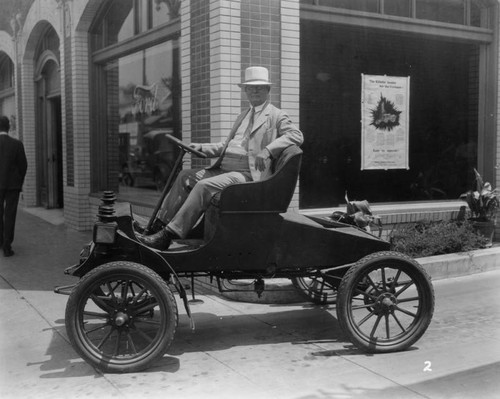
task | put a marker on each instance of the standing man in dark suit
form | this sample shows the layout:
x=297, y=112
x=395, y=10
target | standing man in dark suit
x=13, y=166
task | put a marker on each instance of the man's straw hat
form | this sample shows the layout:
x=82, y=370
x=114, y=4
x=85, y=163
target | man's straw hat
x=256, y=76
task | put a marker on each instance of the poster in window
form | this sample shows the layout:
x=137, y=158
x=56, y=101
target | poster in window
x=385, y=105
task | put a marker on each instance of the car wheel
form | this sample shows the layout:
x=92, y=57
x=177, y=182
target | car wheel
x=121, y=317
x=385, y=302
x=320, y=288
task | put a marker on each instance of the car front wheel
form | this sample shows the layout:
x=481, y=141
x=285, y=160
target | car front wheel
x=121, y=317
x=385, y=302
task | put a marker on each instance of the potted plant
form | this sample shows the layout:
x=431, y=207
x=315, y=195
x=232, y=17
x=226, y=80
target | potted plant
x=483, y=204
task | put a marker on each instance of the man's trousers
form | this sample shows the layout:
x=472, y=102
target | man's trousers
x=191, y=194
x=8, y=210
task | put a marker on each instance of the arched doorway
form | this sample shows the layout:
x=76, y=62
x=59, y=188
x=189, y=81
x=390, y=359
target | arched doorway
x=49, y=132
x=7, y=91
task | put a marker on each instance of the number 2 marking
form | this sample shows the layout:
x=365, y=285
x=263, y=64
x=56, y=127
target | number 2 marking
x=427, y=366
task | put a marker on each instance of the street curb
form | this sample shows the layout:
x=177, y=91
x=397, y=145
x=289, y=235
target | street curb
x=461, y=264
x=280, y=291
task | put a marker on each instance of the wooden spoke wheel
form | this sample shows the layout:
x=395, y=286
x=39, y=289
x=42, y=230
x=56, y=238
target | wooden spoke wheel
x=385, y=302
x=121, y=317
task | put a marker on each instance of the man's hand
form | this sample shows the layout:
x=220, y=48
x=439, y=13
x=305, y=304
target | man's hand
x=195, y=146
x=261, y=158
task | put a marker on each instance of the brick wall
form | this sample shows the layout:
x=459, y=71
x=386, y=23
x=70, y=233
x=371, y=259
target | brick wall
x=225, y=66
x=185, y=43
x=290, y=68
x=261, y=41
x=77, y=208
x=76, y=111
x=67, y=105
x=19, y=105
x=28, y=131
x=200, y=74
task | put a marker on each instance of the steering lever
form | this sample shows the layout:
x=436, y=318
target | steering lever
x=185, y=146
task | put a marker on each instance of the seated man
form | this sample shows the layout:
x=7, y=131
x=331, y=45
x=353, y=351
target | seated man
x=259, y=134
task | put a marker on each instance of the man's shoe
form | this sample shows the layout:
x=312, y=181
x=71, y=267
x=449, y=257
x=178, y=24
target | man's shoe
x=160, y=240
x=8, y=252
x=155, y=227
x=139, y=227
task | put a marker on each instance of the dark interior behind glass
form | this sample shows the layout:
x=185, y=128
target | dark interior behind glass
x=443, y=115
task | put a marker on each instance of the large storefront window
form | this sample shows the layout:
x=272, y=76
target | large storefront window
x=443, y=128
x=136, y=79
x=145, y=94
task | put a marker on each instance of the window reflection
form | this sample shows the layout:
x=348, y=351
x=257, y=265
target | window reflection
x=475, y=15
x=125, y=30
x=118, y=23
x=451, y=11
x=359, y=5
x=145, y=98
x=162, y=13
x=126, y=18
x=400, y=8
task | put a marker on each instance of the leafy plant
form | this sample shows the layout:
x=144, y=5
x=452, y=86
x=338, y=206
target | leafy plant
x=427, y=238
x=483, y=202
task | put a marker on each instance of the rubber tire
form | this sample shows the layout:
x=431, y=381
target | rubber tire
x=80, y=293
x=362, y=268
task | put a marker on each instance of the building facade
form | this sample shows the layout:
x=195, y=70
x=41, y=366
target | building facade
x=92, y=87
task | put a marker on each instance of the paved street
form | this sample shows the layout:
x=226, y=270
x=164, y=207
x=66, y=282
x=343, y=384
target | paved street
x=240, y=349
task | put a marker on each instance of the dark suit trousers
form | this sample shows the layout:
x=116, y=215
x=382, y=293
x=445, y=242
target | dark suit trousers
x=8, y=210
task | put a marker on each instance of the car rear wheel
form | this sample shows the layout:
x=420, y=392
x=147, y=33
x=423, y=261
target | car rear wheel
x=320, y=288
x=121, y=317
x=385, y=302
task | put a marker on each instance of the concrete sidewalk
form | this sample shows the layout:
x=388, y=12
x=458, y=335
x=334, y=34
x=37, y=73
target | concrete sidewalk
x=43, y=249
x=244, y=350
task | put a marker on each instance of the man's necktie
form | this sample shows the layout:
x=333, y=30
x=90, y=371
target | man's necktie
x=248, y=131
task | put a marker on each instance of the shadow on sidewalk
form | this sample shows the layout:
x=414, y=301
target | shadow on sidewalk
x=42, y=251
x=303, y=326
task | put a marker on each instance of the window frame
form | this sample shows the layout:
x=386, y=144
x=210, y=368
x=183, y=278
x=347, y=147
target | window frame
x=396, y=24
x=413, y=8
x=101, y=178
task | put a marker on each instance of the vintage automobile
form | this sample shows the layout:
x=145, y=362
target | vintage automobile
x=121, y=315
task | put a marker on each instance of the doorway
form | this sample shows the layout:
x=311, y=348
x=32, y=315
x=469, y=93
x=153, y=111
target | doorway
x=49, y=137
